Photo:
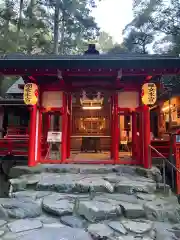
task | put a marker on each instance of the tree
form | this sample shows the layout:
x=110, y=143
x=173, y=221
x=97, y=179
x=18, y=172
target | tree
x=118, y=49
x=138, y=40
x=39, y=27
x=105, y=42
x=163, y=18
x=72, y=24
x=32, y=26
x=19, y=22
x=139, y=33
x=167, y=22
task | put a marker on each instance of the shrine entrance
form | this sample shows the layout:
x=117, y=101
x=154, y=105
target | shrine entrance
x=52, y=135
x=86, y=127
x=125, y=135
x=90, y=126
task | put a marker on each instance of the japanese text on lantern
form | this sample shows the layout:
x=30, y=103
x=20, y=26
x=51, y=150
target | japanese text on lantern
x=149, y=93
x=30, y=94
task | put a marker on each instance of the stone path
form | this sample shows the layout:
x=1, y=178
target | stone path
x=86, y=202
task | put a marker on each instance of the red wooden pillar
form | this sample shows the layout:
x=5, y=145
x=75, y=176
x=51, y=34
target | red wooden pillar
x=116, y=130
x=141, y=140
x=139, y=135
x=39, y=129
x=112, y=127
x=177, y=160
x=39, y=146
x=69, y=126
x=32, y=136
x=147, y=161
x=64, y=129
x=178, y=167
x=134, y=135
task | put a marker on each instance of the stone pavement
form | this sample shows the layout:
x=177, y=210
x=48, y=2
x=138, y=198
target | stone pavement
x=86, y=202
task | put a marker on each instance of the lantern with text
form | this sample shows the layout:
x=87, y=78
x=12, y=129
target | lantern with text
x=149, y=93
x=30, y=94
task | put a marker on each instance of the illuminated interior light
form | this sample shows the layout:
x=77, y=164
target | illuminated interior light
x=166, y=108
x=91, y=107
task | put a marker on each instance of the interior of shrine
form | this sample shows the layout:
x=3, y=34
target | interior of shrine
x=91, y=125
x=91, y=138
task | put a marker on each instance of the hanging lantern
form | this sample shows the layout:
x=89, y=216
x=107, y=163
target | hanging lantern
x=30, y=94
x=149, y=93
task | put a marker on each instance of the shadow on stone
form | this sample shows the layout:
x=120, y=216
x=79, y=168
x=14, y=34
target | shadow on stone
x=6, y=163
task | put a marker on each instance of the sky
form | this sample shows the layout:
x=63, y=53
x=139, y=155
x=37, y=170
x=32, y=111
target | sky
x=112, y=16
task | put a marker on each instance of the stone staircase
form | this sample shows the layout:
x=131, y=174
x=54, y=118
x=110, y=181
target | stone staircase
x=86, y=202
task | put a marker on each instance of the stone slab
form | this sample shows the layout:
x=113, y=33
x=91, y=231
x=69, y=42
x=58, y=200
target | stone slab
x=131, y=210
x=137, y=227
x=118, y=227
x=100, y=231
x=95, y=210
x=24, y=225
x=73, y=221
x=162, y=211
x=2, y=222
x=17, y=208
x=57, y=206
x=63, y=233
x=132, y=187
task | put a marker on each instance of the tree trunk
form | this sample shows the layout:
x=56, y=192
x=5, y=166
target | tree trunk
x=7, y=22
x=31, y=25
x=144, y=48
x=62, y=33
x=19, y=23
x=56, y=27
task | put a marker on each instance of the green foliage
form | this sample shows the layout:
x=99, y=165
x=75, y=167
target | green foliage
x=29, y=26
x=43, y=26
x=160, y=19
x=138, y=40
x=105, y=42
x=118, y=49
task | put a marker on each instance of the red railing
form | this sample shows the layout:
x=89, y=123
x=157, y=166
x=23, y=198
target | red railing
x=162, y=147
x=17, y=131
x=17, y=146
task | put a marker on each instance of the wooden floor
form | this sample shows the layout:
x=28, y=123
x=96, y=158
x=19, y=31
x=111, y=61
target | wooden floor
x=103, y=156
x=93, y=158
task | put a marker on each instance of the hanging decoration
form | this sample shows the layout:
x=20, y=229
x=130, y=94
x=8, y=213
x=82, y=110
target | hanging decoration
x=149, y=93
x=91, y=100
x=30, y=95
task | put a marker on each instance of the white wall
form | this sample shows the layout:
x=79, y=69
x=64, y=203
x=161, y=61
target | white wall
x=128, y=99
x=52, y=99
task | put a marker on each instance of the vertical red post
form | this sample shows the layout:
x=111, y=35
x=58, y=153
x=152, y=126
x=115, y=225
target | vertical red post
x=147, y=161
x=112, y=127
x=134, y=135
x=177, y=160
x=46, y=128
x=64, y=130
x=32, y=136
x=116, y=130
x=177, y=173
x=39, y=142
x=69, y=126
x=39, y=154
x=176, y=155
